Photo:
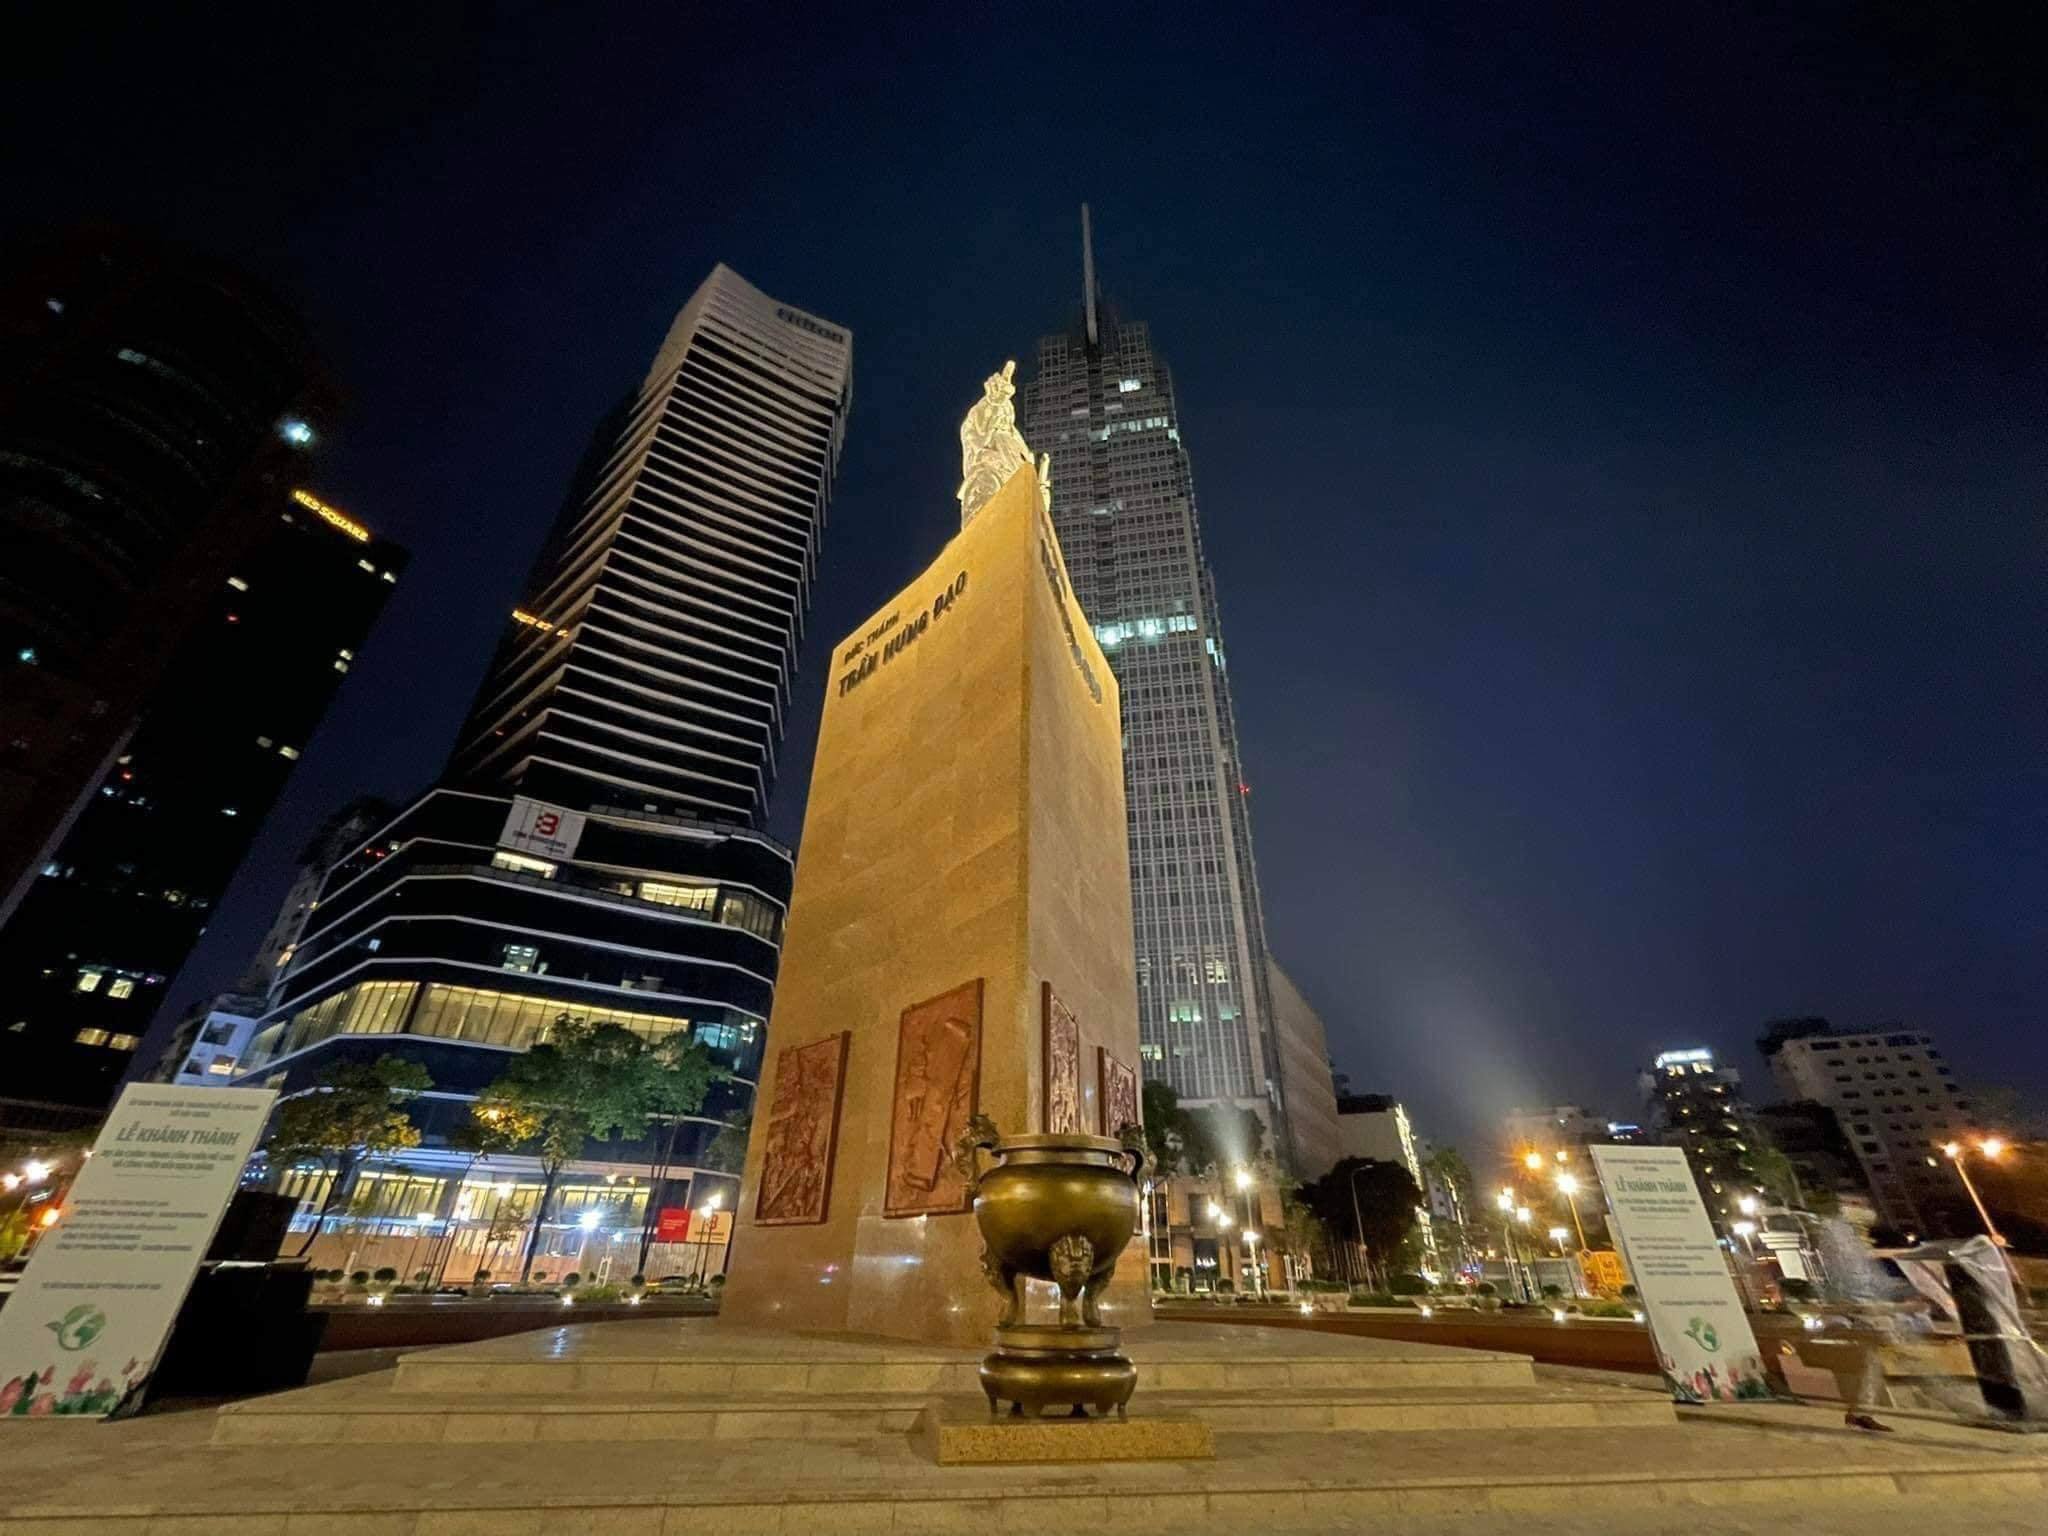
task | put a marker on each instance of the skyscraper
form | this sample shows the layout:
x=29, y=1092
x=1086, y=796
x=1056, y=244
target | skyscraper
x=1101, y=402
x=155, y=407
x=123, y=897
x=594, y=849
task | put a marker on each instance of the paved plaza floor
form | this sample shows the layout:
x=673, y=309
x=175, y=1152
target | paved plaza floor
x=333, y=1469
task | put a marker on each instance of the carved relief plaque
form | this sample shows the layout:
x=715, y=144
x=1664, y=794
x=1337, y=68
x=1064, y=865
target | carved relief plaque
x=938, y=1073
x=1117, y=1088
x=1062, y=1065
x=803, y=1133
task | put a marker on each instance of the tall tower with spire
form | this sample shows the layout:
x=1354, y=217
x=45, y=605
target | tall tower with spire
x=1101, y=403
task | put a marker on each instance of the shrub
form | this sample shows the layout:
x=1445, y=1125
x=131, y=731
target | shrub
x=540, y=1277
x=717, y=1281
x=482, y=1275
x=360, y=1279
x=1552, y=1292
x=1629, y=1293
x=637, y=1280
x=1487, y=1288
x=422, y=1275
x=1225, y=1288
x=571, y=1279
x=405, y=1290
x=1608, y=1309
x=1408, y=1285
x=385, y=1275
x=1378, y=1299
x=598, y=1293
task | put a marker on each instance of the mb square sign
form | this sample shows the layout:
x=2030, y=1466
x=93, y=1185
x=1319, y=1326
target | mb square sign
x=547, y=831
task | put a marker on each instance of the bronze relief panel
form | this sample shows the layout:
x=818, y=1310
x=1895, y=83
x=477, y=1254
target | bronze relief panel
x=938, y=1075
x=1062, y=1107
x=1117, y=1086
x=803, y=1133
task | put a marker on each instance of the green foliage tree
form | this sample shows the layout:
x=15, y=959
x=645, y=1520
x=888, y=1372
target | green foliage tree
x=356, y=1111
x=675, y=1078
x=585, y=1082
x=1376, y=1208
x=1165, y=1128
x=727, y=1151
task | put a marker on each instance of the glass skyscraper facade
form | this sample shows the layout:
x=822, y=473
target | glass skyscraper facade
x=594, y=850
x=1101, y=402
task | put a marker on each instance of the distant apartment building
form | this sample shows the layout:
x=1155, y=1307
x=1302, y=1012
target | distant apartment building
x=1306, y=1084
x=1694, y=1102
x=1896, y=1099
x=1376, y=1126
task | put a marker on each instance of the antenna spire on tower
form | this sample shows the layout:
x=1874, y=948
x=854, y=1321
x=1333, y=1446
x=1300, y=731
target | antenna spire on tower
x=1088, y=271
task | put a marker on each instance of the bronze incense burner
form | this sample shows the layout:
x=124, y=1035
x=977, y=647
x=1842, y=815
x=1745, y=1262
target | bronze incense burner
x=1059, y=1209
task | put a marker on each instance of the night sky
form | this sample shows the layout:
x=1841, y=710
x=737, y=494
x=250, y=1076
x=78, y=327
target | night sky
x=1620, y=443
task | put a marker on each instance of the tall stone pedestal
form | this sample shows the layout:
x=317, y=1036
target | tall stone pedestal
x=959, y=941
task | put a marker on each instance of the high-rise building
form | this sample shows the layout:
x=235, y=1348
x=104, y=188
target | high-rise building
x=1695, y=1103
x=594, y=851
x=208, y=1042
x=1307, y=1086
x=1376, y=1126
x=125, y=894
x=1896, y=1099
x=1101, y=403
x=155, y=406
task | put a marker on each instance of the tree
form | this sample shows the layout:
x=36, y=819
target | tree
x=1165, y=1128
x=727, y=1151
x=676, y=1075
x=1375, y=1208
x=585, y=1082
x=356, y=1111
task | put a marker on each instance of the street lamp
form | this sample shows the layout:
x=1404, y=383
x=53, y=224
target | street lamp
x=1533, y=1161
x=1745, y=1230
x=1991, y=1147
x=1568, y=1186
x=1557, y=1236
x=1251, y=1242
x=34, y=1171
x=1747, y=1205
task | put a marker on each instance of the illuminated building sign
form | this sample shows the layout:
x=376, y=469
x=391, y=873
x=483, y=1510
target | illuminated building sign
x=327, y=514
x=1682, y=1058
x=533, y=621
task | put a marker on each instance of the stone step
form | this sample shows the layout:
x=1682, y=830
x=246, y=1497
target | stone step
x=357, y=1412
x=149, y=1477
x=612, y=1359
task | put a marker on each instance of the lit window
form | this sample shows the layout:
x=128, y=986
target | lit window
x=341, y=666
x=1128, y=386
x=229, y=810
x=295, y=432
x=290, y=752
x=238, y=584
x=520, y=957
x=519, y=863
x=346, y=654
x=123, y=1042
x=221, y=1066
x=265, y=742
x=91, y=1037
x=121, y=986
x=388, y=576
x=365, y=565
x=691, y=898
x=89, y=980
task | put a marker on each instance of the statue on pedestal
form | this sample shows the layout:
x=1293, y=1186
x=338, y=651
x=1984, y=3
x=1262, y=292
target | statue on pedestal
x=992, y=449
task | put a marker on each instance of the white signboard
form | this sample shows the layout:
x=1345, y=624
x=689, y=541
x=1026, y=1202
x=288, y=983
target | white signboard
x=81, y=1333
x=1703, y=1342
x=546, y=830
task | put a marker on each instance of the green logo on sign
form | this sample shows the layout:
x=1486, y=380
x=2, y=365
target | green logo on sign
x=1701, y=1332
x=79, y=1327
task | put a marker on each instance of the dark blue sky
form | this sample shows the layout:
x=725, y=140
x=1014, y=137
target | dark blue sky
x=1619, y=440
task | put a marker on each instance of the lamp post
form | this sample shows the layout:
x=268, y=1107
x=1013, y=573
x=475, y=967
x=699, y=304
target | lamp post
x=1568, y=1186
x=1358, y=1224
x=1505, y=1200
x=1991, y=1148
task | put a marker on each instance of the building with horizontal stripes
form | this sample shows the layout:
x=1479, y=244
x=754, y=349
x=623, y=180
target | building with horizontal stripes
x=594, y=850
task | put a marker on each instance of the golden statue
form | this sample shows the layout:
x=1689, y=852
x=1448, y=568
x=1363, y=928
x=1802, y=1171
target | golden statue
x=992, y=449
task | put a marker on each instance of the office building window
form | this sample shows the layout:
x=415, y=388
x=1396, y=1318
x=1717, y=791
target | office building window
x=91, y=1037
x=121, y=986
x=89, y=979
x=520, y=957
